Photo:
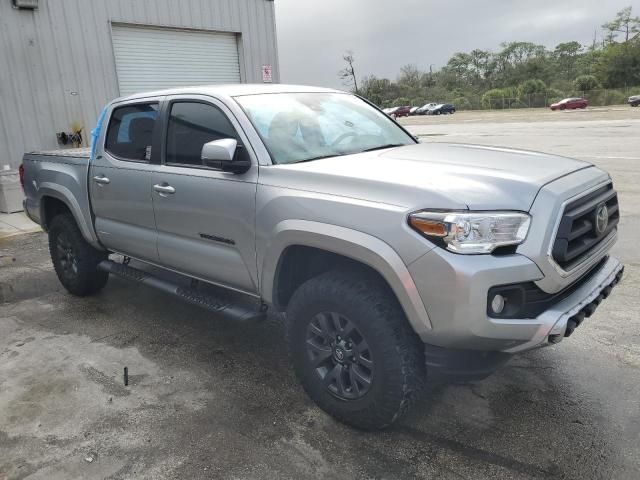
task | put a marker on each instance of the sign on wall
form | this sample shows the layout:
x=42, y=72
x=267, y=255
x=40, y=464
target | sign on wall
x=266, y=74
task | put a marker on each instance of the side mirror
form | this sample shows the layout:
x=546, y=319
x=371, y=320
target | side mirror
x=221, y=154
x=219, y=151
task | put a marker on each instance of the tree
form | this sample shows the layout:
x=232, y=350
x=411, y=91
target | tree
x=530, y=87
x=348, y=74
x=566, y=55
x=624, y=23
x=410, y=76
x=378, y=90
x=619, y=64
x=586, y=82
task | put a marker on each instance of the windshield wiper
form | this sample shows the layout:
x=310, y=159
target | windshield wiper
x=382, y=147
x=318, y=158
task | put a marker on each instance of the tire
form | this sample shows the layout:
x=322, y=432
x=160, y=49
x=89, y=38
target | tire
x=381, y=348
x=74, y=260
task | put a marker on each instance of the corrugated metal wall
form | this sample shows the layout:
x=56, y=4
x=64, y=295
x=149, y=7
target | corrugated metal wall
x=57, y=64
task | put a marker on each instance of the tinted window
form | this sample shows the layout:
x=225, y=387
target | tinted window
x=130, y=131
x=191, y=125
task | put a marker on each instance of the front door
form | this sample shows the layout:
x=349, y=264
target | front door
x=120, y=182
x=205, y=217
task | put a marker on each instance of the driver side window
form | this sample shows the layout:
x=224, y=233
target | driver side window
x=191, y=125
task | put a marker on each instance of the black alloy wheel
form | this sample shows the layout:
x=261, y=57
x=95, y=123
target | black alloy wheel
x=66, y=257
x=340, y=355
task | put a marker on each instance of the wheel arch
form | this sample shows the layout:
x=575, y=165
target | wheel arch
x=313, y=248
x=56, y=199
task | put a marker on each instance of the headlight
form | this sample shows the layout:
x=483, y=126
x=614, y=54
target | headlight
x=473, y=232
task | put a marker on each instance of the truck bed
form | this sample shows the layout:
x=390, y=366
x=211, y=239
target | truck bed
x=66, y=152
x=59, y=175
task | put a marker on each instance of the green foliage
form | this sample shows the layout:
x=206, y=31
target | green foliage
x=520, y=73
x=619, y=64
x=554, y=95
x=586, y=82
x=495, y=98
x=531, y=86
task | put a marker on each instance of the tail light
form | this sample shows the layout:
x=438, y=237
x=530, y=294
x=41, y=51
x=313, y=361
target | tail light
x=21, y=172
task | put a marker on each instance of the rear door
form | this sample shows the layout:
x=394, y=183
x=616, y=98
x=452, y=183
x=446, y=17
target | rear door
x=205, y=217
x=120, y=181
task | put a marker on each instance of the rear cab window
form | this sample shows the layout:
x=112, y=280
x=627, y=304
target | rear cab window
x=130, y=132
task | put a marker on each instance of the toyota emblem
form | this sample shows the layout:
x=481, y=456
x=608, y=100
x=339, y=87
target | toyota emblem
x=601, y=219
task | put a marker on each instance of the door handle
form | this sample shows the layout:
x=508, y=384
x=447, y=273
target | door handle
x=101, y=180
x=164, y=189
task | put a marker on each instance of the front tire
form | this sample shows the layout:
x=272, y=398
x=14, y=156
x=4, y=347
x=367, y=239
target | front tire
x=352, y=349
x=74, y=260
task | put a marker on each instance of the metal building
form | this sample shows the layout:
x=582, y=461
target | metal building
x=62, y=60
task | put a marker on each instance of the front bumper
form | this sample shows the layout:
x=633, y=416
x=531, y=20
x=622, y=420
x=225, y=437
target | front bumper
x=563, y=318
x=456, y=298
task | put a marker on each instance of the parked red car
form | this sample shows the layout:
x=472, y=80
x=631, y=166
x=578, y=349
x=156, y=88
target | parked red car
x=402, y=111
x=570, y=104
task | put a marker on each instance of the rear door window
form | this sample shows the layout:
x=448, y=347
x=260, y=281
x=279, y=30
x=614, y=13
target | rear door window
x=130, y=132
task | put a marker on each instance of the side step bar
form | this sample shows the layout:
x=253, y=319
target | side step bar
x=233, y=311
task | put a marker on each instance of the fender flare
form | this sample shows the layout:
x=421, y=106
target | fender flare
x=353, y=244
x=62, y=193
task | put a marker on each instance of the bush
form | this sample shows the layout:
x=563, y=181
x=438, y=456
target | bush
x=401, y=102
x=586, y=82
x=615, y=97
x=554, y=95
x=461, y=103
x=530, y=87
x=497, y=98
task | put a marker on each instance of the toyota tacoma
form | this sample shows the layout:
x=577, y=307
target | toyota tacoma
x=392, y=262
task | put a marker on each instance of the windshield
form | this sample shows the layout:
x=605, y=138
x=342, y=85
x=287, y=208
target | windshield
x=297, y=127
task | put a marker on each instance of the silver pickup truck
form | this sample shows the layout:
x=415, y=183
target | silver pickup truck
x=393, y=261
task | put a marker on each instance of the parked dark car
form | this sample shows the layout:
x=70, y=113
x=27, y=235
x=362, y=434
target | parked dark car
x=402, y=111
x=570, y=104
x=634, y=100
x=442, y=109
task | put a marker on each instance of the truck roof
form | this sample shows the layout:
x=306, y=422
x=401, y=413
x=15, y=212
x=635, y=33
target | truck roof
x=230, y=90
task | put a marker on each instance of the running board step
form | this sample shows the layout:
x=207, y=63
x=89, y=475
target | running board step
x=212, y=303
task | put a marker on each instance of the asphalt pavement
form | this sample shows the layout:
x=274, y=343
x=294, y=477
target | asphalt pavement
x=209, y=398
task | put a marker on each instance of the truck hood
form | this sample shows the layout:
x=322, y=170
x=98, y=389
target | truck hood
x=432, y=175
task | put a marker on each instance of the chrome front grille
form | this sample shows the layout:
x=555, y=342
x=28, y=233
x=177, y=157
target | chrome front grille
x=586, y=222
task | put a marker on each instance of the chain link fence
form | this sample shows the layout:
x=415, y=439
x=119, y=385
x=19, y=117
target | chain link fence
x=596, y=98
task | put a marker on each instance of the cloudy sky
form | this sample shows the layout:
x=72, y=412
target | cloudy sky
x=387, y=34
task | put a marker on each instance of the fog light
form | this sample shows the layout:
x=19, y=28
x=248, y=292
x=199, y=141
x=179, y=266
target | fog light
x=497, y=304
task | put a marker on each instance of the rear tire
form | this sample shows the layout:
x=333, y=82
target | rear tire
x=352, y=349
x=74, y=260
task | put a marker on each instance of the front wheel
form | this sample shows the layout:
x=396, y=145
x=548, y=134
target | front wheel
x=353, y=350
x=74, y=260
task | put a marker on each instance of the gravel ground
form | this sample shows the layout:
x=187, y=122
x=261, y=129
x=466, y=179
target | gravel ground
x=213, y=399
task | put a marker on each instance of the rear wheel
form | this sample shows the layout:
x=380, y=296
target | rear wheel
x=74, y=260
x=353, y=350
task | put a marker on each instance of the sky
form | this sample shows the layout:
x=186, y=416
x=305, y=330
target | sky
x=387, y=34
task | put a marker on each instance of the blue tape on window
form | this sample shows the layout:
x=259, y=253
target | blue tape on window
x=95, y=133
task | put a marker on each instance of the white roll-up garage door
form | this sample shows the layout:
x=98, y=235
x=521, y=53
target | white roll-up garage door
x=157, y=58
